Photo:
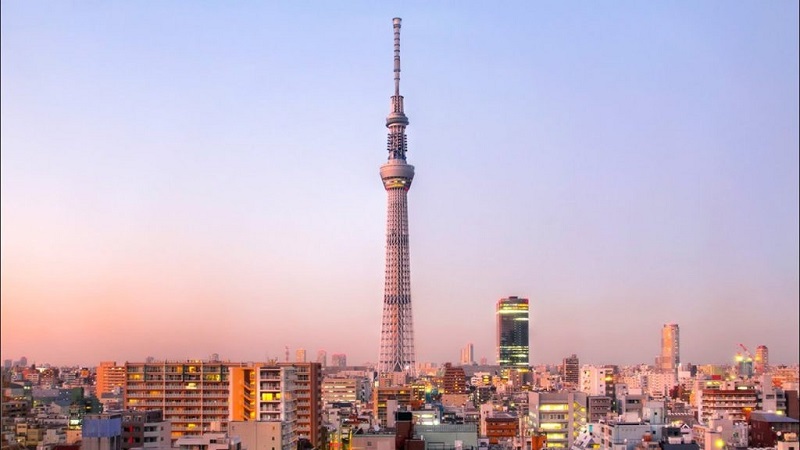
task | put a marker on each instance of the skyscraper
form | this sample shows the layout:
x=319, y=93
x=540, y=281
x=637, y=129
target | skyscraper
x=468, y=355
x=761, y=362
x=512, y=332
x=397, y=331
x=670, y=348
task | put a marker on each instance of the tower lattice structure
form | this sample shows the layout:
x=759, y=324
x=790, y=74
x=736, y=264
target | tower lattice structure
x=397, y=330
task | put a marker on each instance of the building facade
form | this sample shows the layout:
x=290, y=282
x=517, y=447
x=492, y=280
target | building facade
x=571, y=371
x=200, y=396
x=108, y=376
x=512, y=332
x=670, y=348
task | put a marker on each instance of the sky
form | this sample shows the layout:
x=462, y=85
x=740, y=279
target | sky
x=186, y=178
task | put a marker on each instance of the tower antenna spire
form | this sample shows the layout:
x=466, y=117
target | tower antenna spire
x=396, y=21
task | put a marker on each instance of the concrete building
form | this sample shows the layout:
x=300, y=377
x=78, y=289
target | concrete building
x=513, y=348
x=559, y=415
x=766, y=428
x=109, y=376
x=761, y=361
x=468, y=355
x=502, y=428
x=102, y=432
x=725, y=403
x=200, y=397
x=209, y=441
x=308, y=392
x=598, y=407
x=387, y=400
x=300, y=355
x=454, y=380
x=263, y=435
x=571, y=371
x=145, y=430
x=340, y=389
x=670, y=348
x=597, y=380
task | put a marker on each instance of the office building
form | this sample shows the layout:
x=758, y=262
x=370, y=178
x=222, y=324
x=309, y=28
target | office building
x=512, y=332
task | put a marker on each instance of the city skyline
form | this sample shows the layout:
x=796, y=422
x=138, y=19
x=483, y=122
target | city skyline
x=185, y=180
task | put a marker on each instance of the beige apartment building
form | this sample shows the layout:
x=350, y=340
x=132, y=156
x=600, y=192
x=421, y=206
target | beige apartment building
x=204, y=396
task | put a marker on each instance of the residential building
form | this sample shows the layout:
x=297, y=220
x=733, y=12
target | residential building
x=761, y=361
x=109, y=376
x=571, y=371
x=263, y=434
x=454, y=380
x=145, y=430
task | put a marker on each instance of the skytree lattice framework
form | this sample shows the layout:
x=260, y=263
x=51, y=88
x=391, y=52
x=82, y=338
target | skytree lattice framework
x=397, y=330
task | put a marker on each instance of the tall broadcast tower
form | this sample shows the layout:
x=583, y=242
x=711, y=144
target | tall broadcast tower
x=397, y=331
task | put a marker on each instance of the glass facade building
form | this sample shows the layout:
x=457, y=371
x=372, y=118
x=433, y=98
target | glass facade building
x=512, y=332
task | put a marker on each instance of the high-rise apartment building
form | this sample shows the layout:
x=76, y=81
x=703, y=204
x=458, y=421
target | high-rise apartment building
x=109, y=376
x=308, y=393
x=468, y=355
x=761, y=362
x=670, y=348
x=397, y=330
x=202, y=396
x=300, y=355
x=571, y=371
x=512, y=332
x=454, y=380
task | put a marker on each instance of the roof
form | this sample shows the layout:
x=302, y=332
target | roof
x=763, y=416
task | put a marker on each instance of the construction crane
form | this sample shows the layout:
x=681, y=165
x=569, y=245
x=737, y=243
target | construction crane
x=746, y=351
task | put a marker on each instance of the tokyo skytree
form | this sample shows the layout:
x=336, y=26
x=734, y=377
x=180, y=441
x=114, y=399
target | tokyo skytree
x=397, y=331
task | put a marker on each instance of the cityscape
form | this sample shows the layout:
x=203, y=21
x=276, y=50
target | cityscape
x=168, y=308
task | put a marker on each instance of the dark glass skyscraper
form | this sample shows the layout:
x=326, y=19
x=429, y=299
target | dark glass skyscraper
x=512, y=332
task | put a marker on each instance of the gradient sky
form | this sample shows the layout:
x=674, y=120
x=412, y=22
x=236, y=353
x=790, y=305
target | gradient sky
x=185, y=178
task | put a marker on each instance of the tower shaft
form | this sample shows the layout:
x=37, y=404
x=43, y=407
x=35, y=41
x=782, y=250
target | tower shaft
x=397, y=331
